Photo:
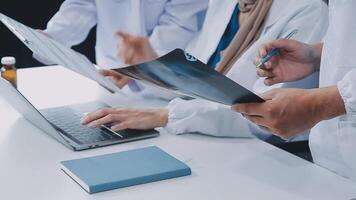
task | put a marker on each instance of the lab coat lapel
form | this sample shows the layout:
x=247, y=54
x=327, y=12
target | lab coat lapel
x=218, y=17
x=216, y=21
x=274, y=14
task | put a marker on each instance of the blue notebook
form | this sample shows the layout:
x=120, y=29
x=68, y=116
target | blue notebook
x=123, y=169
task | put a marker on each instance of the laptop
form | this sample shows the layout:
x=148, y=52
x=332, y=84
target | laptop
x=63, y=123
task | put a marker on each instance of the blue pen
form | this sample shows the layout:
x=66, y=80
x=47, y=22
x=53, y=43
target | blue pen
x=274, y=51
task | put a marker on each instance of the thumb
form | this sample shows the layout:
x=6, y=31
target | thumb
x=273, y=80
x=267, y=47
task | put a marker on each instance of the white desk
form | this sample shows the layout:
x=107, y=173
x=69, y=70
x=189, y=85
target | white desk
x=222, y=168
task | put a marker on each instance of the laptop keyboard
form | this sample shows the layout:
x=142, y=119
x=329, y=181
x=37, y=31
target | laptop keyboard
x=68, y=123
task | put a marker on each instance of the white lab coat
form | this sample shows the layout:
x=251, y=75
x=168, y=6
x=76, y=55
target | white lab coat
x=308, y=16
x=329, y=148
x=169, y=24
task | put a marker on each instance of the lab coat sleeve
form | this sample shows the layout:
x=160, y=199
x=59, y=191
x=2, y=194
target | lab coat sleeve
x=72, y=23
x=205, y=117
x=346, y=138
x=347, y=89
x=177, y=25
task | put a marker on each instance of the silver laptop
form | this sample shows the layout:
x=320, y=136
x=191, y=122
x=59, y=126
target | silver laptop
x=63, y=123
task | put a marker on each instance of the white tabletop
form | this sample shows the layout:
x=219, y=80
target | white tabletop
x=221, y=168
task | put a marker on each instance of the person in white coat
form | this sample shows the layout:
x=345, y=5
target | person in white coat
x=168, y=24
x=181, y=116
x=289, y=111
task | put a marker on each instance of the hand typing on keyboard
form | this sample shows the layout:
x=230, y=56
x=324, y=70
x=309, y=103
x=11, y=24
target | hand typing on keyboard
x=127, y=118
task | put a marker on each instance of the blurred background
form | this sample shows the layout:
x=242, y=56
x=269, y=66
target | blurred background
x=36, y=14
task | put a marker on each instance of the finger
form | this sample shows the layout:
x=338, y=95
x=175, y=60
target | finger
x=137, y=42
x=121, y=126
x=96, y=115
x=106, y=72
x=257, y=60
x=116, y=81
x=269, y=64
x=129, y=39
x=262, y=51
x=265, y=73
x=121, y=34
x=265, y=129
x=280, y=44
x=272, y=62
x=108, y=119
x=260, y=121
x=122, y=82
x=125, y=36
x=126, y=53
x=129, y=54
x=249, y=109
x=272, y=80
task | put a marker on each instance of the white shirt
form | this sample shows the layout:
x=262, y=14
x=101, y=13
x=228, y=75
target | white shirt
x=329, y=148
x=169, y=24
x=308, y=16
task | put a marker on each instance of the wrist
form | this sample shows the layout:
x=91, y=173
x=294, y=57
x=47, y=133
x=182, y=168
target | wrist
x=328, y=103
x=162, y=117
x=316, y=55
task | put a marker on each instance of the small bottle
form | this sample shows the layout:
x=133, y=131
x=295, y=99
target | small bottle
x=8, y=70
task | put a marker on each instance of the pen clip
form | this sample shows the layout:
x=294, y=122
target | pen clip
x=291, y=34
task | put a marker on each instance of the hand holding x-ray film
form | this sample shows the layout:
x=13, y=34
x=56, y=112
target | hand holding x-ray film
x=57, y=53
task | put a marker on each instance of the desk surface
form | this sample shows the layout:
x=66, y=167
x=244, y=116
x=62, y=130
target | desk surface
x=222, y=168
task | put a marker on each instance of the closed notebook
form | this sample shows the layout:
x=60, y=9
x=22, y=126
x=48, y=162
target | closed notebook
x=123, y=169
